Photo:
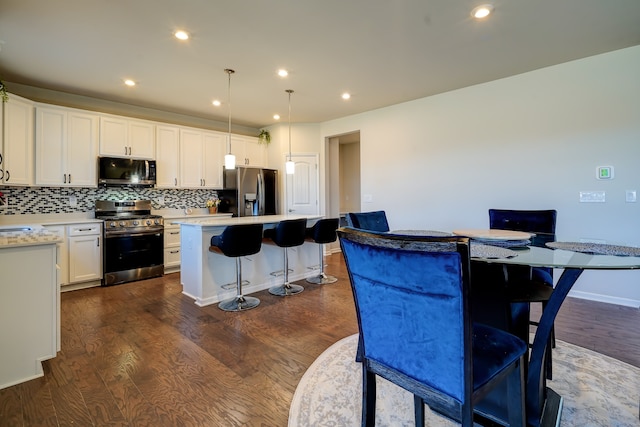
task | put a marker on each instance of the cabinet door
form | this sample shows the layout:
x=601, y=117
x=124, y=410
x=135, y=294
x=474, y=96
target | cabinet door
x=50, y=146
x=191, y=149
x=213, y=157
x=82, y=148
x=167, y=157
x=255, y=153
x=85, y=258
x=18, y=141
x=113, y=136
x=142, y=139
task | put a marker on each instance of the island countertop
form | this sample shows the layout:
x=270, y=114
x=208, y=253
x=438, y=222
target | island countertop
x=225, y=221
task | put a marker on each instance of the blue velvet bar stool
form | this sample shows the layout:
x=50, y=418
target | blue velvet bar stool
x=286, y=234
x=237, y=241
x=322, y=232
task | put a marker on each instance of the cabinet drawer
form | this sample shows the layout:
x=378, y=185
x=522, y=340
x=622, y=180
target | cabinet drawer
x=171, y=237
x=171, y=257
x=84, y=229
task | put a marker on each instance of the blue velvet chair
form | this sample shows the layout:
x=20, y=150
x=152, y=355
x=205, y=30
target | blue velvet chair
x=533, y=285
x=411, y=296
x=372, y=221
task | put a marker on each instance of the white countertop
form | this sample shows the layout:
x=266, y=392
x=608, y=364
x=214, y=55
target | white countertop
x=223, y=221
x=33, y=237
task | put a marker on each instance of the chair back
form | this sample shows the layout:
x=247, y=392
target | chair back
x=411, y=296
x=372, y=221
x=239, y=240
x=540, y=222
x=324, y=230
x=290, y=232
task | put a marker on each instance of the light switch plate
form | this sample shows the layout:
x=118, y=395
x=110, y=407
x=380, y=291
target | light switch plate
x=367, y=198
x=630, y=196
x=592, y=197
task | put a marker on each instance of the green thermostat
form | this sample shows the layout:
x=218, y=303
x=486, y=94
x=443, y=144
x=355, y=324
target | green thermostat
x=605, y=172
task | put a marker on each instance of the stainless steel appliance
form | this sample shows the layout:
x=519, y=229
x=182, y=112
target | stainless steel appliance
x=133, y=241
x=114, y=171
x=256, y=191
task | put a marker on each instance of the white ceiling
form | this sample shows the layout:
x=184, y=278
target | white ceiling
x=382, y=51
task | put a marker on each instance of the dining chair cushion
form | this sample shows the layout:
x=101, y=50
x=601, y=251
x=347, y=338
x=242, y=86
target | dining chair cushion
x=372, y=221
x=324, y=230
x=288, y=233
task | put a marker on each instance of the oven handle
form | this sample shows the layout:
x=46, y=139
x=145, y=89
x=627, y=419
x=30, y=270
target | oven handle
x=127, y=234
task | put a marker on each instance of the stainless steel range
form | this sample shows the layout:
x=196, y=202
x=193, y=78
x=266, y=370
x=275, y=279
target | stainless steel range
x=133, y=241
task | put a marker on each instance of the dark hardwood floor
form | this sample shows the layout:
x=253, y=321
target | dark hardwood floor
x=142, y=354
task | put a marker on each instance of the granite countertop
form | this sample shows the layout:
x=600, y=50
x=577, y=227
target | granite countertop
x=14, y=237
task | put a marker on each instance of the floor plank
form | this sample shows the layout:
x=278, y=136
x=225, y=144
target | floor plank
x=143, y=354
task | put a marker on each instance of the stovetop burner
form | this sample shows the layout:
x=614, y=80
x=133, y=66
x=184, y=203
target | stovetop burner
x=127, y=214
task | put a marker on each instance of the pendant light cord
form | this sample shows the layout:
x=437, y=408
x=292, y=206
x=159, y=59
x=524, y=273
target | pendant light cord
x=289, y=91
x=229, y=71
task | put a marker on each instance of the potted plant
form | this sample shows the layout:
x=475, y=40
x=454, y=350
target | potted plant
x=213, y=204
x=3, y=92
x=264, y=137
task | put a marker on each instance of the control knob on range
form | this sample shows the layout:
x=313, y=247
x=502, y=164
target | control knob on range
x=148, y=222
x=136, y=222
x=121, y=223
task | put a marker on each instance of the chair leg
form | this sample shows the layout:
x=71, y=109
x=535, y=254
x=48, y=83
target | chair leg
x=368, y=397
x=418, y=410
x=240, y=302
x=286, y=288
x=322, y=279
x=516, y=398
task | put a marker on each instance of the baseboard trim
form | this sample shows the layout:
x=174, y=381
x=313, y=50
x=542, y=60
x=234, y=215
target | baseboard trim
x=605, y=298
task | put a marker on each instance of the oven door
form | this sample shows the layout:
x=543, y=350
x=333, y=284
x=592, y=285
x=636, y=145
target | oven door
x=133, y=256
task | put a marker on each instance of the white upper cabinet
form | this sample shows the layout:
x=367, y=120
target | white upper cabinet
x=17, y=142
x=124, y=137
x=201, y=159
x=248, y=151
x=66, y=147
x=167, y=156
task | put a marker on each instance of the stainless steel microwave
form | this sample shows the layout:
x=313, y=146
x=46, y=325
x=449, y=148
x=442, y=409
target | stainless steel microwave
x=114, y=171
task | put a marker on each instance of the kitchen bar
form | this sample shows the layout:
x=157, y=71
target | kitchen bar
x=209, y=277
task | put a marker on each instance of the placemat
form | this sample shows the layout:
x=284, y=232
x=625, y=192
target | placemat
x=596, y=248
x=490, y=252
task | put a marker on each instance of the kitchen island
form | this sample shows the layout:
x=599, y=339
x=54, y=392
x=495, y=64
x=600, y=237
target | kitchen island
x=209, y=277
x=29, y=302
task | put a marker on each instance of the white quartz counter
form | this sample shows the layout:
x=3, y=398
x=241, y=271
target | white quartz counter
x=32, y=237
x=221, y=221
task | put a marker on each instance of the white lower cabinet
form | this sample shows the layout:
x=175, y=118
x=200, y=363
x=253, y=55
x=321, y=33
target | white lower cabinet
x=171, y=247
x=85, y=252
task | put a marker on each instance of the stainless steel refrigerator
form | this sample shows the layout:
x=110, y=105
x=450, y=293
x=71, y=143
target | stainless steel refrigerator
x=255, y=191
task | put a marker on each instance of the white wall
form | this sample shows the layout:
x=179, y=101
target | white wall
x=531, y=141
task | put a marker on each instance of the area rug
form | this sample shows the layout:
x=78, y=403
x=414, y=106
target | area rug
x=597, y=391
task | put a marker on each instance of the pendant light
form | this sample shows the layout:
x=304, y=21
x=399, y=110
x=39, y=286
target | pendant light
x=290, y=166
x=229, y=159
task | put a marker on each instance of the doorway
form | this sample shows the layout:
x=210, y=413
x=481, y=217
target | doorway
x=342, y=177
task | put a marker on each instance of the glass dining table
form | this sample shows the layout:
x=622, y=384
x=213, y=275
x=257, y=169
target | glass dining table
x=544, y=405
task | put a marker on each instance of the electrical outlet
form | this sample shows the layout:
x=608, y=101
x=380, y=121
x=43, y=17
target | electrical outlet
x=161, y=200
x=73, y=201
x=630, y=196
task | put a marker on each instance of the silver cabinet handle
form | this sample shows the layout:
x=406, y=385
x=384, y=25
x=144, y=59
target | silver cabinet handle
x=175, y=182
x=98, y=242
x=69, y=178
x=174, y=252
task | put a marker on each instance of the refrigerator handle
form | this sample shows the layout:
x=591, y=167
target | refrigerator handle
x=260, y=197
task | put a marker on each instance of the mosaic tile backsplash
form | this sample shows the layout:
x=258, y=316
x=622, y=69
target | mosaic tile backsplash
x=55, y=200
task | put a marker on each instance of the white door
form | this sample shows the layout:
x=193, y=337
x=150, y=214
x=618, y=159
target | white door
x=302, y=187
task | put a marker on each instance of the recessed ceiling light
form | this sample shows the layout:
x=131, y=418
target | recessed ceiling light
x=276, y=116
x=182, y=35
x=216, y=103
x=129, y=82
x=283, y=73
x=482, y=11
x=346, y=95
